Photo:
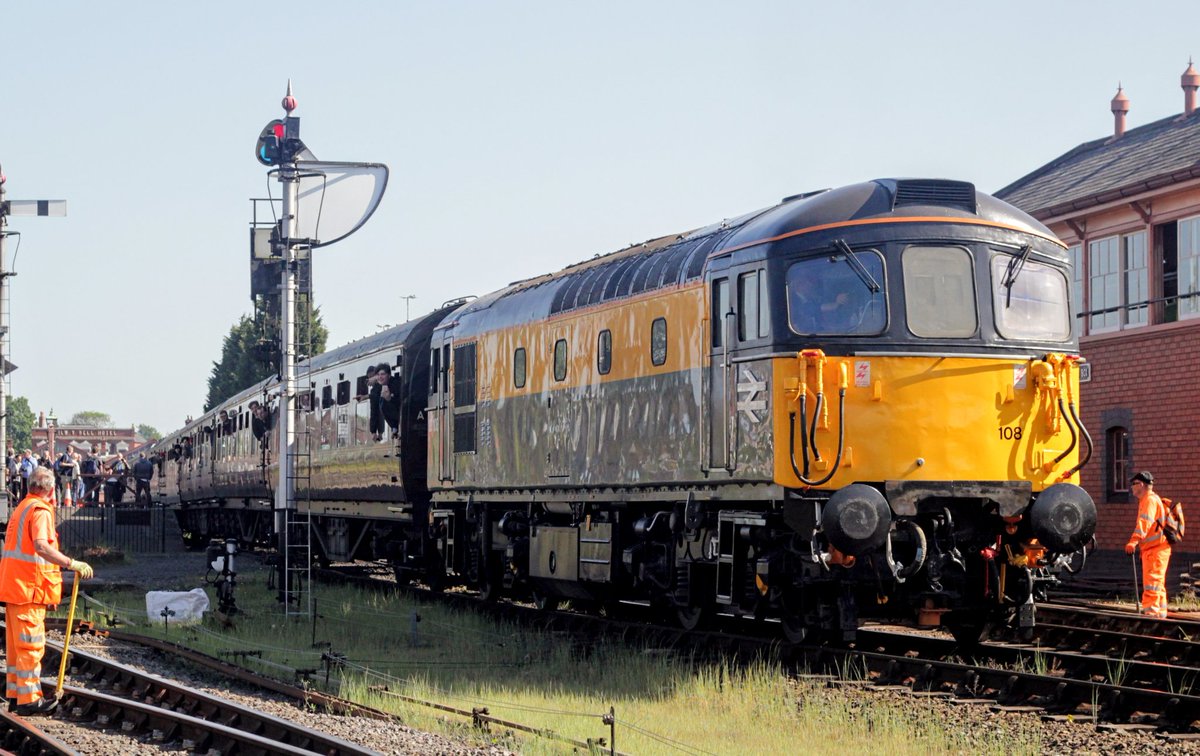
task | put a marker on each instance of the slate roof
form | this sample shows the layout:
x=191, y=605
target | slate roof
x=1157, y=154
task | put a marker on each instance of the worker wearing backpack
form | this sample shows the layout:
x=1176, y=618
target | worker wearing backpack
x=1150, y=535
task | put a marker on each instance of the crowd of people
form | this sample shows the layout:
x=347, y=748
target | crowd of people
x=80, y=479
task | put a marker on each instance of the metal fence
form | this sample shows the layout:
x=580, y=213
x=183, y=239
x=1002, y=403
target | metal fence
x=130, y=528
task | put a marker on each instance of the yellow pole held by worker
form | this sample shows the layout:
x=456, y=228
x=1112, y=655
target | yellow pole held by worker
x=62, y=664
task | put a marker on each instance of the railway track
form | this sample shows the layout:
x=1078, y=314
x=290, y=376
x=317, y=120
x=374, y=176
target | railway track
x=1074, y=666
x=118, y=697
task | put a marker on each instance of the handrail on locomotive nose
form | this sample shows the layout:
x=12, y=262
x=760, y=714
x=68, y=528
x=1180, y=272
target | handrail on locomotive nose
x=818, y=358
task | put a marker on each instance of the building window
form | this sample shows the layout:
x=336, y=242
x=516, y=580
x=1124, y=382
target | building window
x=1189, y=267
x=604, y=352
x=560, y=360
x=1119, y=468
x=519, y=367
x=1118, y=282
x=1075, y=255
x=658, y=341
x=1137, y=280
x=1104, y=279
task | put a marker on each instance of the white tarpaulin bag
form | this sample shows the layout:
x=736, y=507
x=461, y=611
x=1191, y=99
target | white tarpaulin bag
x=181, y=606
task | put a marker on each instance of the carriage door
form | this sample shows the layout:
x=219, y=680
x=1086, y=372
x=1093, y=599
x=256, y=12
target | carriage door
x=719, y=375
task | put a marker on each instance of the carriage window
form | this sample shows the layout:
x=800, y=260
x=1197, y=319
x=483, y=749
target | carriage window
x=327, y=397
x=1035, y=305
x=658, y=341
x=939, y=292
x=560, y=360
x=604, y=352
x=752, y=306
x=361, y=389
x=838, y=295
x=343, y=393
x=720, y=304
x=519, y=367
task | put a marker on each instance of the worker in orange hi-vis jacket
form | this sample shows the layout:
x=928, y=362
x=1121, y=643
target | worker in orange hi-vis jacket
x=31, y=580
x=1156, y=552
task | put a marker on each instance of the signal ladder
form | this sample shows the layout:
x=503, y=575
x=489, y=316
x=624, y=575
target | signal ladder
x=297, y=545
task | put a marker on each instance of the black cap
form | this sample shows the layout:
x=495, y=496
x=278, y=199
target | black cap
x=1145, y=476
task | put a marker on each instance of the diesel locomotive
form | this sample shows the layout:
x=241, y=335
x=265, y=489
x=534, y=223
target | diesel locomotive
x=857, y=403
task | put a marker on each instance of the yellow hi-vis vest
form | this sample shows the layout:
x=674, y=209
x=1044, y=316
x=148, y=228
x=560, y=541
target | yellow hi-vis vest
x=25, y=577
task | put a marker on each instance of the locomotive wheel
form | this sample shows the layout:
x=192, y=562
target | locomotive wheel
x=489, y=588
x=544, y=602
x=794, y=629
x=691, y=617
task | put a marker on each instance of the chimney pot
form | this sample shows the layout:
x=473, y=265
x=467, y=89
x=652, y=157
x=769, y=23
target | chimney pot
x=1190, y=81
x=1119, y=106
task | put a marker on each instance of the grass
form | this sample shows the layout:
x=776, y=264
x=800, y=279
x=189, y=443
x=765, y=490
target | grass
x=664, y=703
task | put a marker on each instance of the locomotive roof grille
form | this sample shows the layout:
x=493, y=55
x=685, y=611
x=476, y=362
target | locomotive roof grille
x=958, y=194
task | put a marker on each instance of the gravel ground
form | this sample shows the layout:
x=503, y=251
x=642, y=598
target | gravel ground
x=185, y=570
x=978, y=722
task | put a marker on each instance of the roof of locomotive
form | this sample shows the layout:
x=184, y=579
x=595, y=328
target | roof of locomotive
x=679, y=258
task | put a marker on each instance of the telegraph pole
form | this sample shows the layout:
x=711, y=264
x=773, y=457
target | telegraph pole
x=408, y=298
x=14, y=207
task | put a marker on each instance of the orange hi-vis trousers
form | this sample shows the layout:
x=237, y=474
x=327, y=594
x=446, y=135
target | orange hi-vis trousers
x=25, y=636
x=1154, y=581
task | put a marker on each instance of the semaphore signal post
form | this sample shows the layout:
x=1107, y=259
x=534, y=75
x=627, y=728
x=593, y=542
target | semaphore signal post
x=55, y=208
x=321, y=203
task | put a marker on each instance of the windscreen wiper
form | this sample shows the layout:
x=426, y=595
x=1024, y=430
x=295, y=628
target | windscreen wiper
x=1015, y=265
x=856, y=265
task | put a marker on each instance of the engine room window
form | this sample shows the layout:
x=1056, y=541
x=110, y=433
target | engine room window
x=658, y=341
x=604, y=352
x=939, y=292
x=1034, y=306
x=838, y=295
x=560, y=360
x=519, y=367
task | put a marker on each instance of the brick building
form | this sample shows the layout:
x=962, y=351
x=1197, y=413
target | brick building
x=101, y=441
x=1128, y=206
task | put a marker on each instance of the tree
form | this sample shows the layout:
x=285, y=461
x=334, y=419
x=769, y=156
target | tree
x=92, y=419
x=250, y=352
x=20, y=423
x=148, y=432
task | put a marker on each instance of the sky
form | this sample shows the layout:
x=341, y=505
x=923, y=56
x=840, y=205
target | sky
x=521, y=137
